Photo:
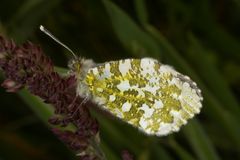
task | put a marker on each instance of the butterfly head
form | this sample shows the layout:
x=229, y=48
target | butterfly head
x=80, y=66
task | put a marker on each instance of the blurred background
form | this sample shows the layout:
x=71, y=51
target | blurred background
x=199, y=38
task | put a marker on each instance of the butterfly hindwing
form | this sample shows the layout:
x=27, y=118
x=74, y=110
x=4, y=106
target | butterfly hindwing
x=144, y=93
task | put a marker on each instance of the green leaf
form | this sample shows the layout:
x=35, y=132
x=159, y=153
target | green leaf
x=209, y=73
x=181, y=152
x=199, y=141
x=140, y=7
x=159, y=152
x=215, y=34
x=110, y=155
x=133, y=38
x=41, y=109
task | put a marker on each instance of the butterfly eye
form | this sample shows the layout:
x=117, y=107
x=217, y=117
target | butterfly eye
x=77, y=66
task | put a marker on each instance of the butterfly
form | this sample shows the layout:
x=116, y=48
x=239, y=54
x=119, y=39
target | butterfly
x=144, y=93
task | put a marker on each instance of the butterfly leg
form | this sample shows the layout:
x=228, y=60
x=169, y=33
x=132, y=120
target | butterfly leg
x=84, y=101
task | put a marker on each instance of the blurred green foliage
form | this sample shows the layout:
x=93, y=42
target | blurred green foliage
x=198, y=38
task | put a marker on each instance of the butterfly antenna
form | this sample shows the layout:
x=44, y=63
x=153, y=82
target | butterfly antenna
x=44, y=30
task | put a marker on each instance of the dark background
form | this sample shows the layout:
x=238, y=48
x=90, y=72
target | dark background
x=199, y=38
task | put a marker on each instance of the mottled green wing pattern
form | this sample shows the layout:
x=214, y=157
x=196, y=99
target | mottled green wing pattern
x=144, y=93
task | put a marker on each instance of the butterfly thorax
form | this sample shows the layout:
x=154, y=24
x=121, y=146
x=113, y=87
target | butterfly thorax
x=79, y=68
